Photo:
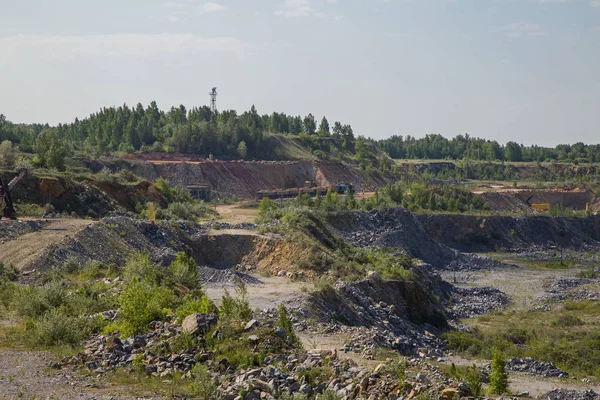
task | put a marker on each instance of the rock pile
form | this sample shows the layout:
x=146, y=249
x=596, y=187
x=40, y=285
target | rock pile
x=531, y=366
x=563, y=289
x=226, y=225
x=107, y=352
x=471, y=302
x=473, y=262
x=13, y=229
x=566, y=394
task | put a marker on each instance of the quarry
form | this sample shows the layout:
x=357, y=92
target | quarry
x=381, y=304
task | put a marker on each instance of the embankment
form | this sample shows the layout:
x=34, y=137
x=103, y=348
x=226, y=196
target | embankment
x=246, y=178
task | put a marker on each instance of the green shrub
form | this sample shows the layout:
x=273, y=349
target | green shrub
x=33, y=301
x=91, y=298
x=284, y=321
x=184, y=273
x=473, y=380
x=498, y=377
x=203, y=385
x=7, y=292
x=139, y=266
x=56, y=328
x=194, y=305
x=462, y=341
x=141, y=303
x=236, y=309
x=29, y=210
x=9, y=272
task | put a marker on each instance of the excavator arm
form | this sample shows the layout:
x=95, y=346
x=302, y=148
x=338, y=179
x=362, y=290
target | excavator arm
x=17, y=179
x=6, y=204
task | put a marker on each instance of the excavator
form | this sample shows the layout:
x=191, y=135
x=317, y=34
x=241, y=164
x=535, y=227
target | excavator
x=6, y=204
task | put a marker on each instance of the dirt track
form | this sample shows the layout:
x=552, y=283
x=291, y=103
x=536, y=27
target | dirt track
x=23, y=249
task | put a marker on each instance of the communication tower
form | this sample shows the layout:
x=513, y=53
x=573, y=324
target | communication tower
x=213, y=100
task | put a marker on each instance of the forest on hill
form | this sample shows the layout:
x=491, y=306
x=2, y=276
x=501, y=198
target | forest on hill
x=229, y=135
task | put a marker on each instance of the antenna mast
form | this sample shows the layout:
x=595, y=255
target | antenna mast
x=213, y=100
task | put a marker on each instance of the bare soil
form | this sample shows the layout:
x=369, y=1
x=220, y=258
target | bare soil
x=23, y=249
x=236, y=214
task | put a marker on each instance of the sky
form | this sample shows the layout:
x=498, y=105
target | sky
x=521, y=70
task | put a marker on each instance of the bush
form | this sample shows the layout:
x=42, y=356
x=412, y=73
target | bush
x=139, y=266
x=7, y=154
x=141, y=303
x=203, y=386
x=184, y=273
x=285, y=321
x=473, y=380
x=29, y=210
x=34, y=302
x=236, y=309
x=498, y=377
x=194, y=305
x=56, y=328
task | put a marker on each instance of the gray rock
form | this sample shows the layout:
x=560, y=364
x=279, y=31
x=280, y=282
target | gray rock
x=199, y=323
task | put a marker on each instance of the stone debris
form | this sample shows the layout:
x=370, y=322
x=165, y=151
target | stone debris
x=533, y=367
x=471, y=302
x=566, y=394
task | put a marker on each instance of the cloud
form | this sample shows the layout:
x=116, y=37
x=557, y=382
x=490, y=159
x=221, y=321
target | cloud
x=40, y=47
x=296, y=9
x=208, y=8
x=595, y=3
x=177, y=10
x=522, y=29
x=506, y=61
x=552, y=1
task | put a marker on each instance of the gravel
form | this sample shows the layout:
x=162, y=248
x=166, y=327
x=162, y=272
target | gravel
x=566, y=394
x=533, y=367
x=471, y=302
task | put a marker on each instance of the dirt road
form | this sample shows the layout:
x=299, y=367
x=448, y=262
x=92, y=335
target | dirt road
x=23, y=249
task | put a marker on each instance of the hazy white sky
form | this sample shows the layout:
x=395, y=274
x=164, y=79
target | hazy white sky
x=524, y=70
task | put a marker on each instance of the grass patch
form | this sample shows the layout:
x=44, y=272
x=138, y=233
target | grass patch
x=570, y=338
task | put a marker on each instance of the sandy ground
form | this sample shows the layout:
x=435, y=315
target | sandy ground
x=23, y=249
x=271, y=292
x=234, y=214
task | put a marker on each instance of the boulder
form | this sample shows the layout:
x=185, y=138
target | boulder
x=199, y=323
x=251, y=325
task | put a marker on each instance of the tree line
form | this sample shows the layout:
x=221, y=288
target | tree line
x=467, y=147
x=229, y=135
x=196, y=131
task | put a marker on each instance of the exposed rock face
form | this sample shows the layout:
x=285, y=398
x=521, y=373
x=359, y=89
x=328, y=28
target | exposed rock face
x=246, y=178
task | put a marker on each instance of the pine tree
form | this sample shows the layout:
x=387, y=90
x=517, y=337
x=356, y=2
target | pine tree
x=498, y=377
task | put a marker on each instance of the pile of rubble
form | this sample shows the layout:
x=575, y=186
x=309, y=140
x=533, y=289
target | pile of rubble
x=345, y=379
x=471, y=302
x=563, y=289
x=308, y=373
x=13, y=229
x=226, y=225
x=106, y=352
x=473, y=262
x=566, y=394
x=531, y=366
x=215, y=276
